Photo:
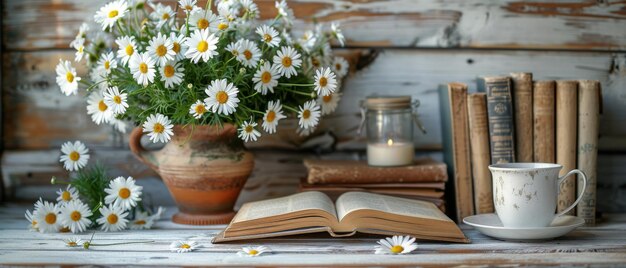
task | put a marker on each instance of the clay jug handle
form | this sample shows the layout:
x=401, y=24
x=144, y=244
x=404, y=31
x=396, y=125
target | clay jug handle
x=145, y=156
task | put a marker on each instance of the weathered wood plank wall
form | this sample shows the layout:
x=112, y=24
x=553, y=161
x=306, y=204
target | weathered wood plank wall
x=421, y=44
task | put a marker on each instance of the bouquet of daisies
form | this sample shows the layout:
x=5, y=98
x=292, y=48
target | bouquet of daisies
x=91, y=199
x=159, y=66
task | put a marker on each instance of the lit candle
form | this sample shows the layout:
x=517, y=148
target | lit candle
x=390, y=153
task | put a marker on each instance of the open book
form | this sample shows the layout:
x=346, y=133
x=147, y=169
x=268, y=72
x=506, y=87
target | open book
x=312, y=212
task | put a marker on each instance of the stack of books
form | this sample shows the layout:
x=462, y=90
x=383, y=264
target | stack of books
x=424, y=180
x=515, y=119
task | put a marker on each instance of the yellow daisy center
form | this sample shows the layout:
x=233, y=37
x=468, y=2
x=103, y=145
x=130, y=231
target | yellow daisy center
x=203, y=24
x=249, y=129
x=168, y=71
x=117, y=99
x=396, y=249
x=327, y=98
x=34, y=223
x=125, y=192
x=161, y=50
x=143, y=68
x=75, y=215
x=188, y=8
x=72, y=244
x=66, y=196
x=140, y=222
x=200, y=109
x=286, y=61
x=266, y=77
x=185, y=246
x=306, y=114
x=107, y=65
x=323, y=81
x=247, y=54
x=70, y=77
x=315, y=62
x=338, y=66
x=176, y=47
x=267, y=38
x=51, y=218
x=112, y=219
x=102, y=106
x=253, y=252
x=271, y=115
x=222, y=26
x=222, y=97
x=157, y=128
x=113, y=13
x=202, y=46
x=129, y=50
x=80, y=49
x=165, y=16
x=74, y=156
x=65, y=229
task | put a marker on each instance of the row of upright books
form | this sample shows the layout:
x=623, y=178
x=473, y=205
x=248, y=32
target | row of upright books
x=515, y=119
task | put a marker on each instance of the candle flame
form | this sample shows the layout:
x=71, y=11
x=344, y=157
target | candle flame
x=390, y=142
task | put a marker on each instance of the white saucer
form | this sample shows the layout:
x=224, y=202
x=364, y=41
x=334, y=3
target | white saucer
x=489, y=224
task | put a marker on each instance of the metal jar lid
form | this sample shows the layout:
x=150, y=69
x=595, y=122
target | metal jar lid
x=388, y=102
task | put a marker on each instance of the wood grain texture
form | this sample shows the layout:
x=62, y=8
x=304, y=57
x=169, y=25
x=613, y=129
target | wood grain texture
x=544, y=121
x=566, y=130
x=45, y=24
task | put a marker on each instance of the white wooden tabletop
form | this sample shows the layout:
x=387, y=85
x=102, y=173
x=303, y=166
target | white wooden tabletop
x=604, y=244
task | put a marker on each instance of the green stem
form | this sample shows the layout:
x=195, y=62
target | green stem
x=296, y=85
x=119, y=26
x=297, y=92
x=125, y=243
x=291, y=108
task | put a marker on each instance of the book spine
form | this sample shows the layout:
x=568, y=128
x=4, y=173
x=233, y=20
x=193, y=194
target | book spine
x=544, y=122
x=523, y=104
x=479, y=147
x=461, y=150
x=566, y=128
x=588, y=123
x=500, y=116
x=351, y=174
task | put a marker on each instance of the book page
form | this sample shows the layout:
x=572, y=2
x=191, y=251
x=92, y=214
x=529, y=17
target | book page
x=352, y=201
x=284, y=205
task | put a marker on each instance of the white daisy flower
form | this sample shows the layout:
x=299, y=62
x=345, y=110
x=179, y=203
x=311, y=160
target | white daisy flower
x=396, y=245
x=73, y=242
x=307, y=40
x=162, y=14
x=159, y=128
x=157, y=215
x=178, y=41
x=97, y=108
x=113, y=218
x=107, y=62
x=329, y=102
x=116, y=100
x=98, y=76
x=248, y=132
x=47, y=217
x=127, y=47
x=66, y=77
x=198, y=109
x=253, y=251
x=75, y=155
x=266, y=78
x=172, y=73
x=161, y=49
x=223, y=24
x=273, y=114
x=287, y=59
x=142, y=221
x=188, y=5
x=249, y=8
x=222, y=97
x=285, y=12
x=250, y=53
x=32, y=217
x=340, y=66
x=183, y=246
x=142, y=67
x=123, y=193
x=79, y=45
x=286, y=37
x=234, y=48
x=70, y=193
x=75, y=215
x=336, y=32
x=325, y=81
x=269, y=35
x=309, y=115
x=110, y=13
x=82, y=30
x=201, y=45
x=119, y=125
x=203, y=20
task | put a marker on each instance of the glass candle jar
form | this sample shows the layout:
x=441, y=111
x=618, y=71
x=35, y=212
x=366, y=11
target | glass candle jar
x=389, y=125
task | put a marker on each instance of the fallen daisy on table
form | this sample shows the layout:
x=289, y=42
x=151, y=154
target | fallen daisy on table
x=253, y=251
x=396, y=245
x=183, y=246
x=73, y=242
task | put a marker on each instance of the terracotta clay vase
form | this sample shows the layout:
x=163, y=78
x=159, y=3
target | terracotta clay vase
x=204, y=168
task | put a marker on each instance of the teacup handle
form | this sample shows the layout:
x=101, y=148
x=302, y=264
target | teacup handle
x=582, y=193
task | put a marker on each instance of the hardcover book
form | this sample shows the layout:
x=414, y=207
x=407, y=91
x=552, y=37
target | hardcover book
x=588, y=123
x=566, y=129
x=500, y=114
x=480, y=159
x=544, y=121
x=523, y=104
x=353, y=212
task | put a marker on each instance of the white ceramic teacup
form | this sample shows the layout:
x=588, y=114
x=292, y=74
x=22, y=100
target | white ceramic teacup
x=525, y=194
